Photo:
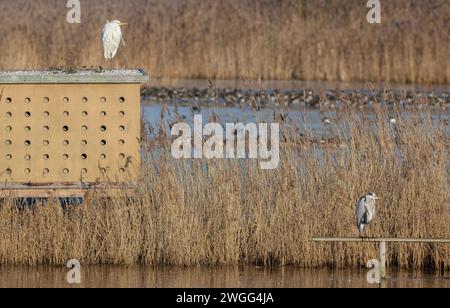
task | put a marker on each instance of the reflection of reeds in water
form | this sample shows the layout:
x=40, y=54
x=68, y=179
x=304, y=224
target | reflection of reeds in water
x=289, y=39
x=225, y=212
x=208, y=277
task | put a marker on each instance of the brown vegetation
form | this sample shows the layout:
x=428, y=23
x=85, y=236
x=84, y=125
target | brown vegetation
x=289, y=39
x=227, y=212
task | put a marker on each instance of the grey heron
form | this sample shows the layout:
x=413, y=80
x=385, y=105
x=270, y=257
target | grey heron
x=365, y=211
x=111, y=38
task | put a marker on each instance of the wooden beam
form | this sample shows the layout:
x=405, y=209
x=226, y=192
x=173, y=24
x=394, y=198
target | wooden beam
x=382, y=245
x=382, y=260
x=66, y=193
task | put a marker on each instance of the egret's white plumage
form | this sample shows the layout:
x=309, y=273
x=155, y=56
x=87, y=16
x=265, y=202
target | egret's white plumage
x=365, y=211
x=111, y=38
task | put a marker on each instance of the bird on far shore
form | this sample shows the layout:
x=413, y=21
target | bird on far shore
x=365, y=211
x=112, y=37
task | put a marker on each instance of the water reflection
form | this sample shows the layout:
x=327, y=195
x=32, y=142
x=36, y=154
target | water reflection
x=217, y=277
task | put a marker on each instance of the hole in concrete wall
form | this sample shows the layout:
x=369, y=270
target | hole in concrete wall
x=103, y=100
x=46, y=171
x=46, y=156
x=66, y=171
x=46, y=114
x=27, y=143
x=84, y=113
x=8, y=142
x=84, y=100
x=66, y=142
x=84, y=142
x=84, y=128
x=8, y=171
x=122, y=170
x=46, y=142
x=122, y=113
x=84, y=156
x=8, y=157
x=8, y=100
x=103, y=113
x=65, y=128
x=66, y=100
x=103, y=128
x=28, y=157
x=84, y=171
x=27, y=114
x=103, y=170
x=8, y=114
x=122, y=128
x=122, y=100
x=27, y=171
x=122, y=156
x=46, y=128
x=8, y=128
x=102, y=156
x=66, y=156
x=66, y=114
x=27, y=129
x=121, y=142
x=103, y=142
x=46, y=100
x=27, y=100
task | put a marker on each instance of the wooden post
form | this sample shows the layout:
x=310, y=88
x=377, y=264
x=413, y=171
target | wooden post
x=382, y=260
x=382, y=242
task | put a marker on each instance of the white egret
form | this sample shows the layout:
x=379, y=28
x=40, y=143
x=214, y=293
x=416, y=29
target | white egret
x=111, y=38
x=365, y=211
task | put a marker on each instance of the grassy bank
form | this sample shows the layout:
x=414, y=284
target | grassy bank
x=225, y=212
x=228, y=39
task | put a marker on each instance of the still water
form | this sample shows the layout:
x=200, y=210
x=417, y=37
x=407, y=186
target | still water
x=214, y=277
x=310, y=121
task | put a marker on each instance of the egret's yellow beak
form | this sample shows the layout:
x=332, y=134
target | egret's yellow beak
x=123, y=24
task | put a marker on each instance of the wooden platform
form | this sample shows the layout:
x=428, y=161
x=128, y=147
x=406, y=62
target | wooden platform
x=67, y=191
x=382, y=245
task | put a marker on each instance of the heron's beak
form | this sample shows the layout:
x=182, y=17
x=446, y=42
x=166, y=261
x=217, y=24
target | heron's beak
x=123, y=24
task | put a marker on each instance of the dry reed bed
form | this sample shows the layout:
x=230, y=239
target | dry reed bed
x=225, y=213
x=289, y=39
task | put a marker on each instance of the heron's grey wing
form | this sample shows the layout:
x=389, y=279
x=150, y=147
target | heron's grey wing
x=370, y=209
x=360, y=211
